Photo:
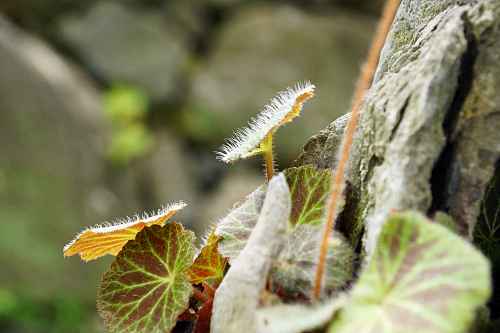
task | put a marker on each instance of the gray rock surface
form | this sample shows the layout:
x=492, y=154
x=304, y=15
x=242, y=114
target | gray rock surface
x=130, y=45
x=429, y=136
x=264, y=49
x=52, y=135
x=54, y=176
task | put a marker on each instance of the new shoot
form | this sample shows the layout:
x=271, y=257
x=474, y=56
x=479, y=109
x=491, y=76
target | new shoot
x=257, y=137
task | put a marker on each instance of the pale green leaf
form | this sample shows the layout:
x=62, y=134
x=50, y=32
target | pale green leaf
x=422, y=278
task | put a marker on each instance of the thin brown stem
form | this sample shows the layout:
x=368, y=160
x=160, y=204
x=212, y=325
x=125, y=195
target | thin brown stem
x=267, y=145
x=337, y=183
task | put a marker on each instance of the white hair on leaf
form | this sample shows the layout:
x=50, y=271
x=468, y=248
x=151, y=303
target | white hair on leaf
x=127, y=222
x=283, y=108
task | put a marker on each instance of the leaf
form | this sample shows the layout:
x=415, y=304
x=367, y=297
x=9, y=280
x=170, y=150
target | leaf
x=422, y=278
x=293, y=270
x=282, y=109
x=297, y=318
x=238, y=296
x=236, y=227
x=209, y=266
x=310, y=188
x=147, y=286
x=100, y=240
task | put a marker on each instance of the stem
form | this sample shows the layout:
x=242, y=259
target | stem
x=337, y=183
x=199, y=296
x=267, y=148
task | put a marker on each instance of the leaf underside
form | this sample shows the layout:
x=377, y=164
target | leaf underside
x=147, y=286
x=422, y=278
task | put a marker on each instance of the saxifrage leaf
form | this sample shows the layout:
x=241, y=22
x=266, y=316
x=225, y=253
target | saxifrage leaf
x=292, y=273
x=209, y=265
x=422, y=278
x=147, y=286
x=310, y=188
x=100, y=240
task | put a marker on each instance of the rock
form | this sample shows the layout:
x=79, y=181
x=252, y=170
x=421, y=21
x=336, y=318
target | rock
x=130, y=45
x=264, y=49
x=428, y=134
x=54, y=176
x=372, y=6
x=51, y=164
x=39, y=15
x=167, y=175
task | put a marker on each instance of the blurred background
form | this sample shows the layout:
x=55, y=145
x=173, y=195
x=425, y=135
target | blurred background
x=108, y=108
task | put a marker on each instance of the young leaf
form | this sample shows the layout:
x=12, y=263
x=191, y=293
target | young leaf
x=282, y=109
x=100, y=240
x=147, y=286
x=209, y=266
x=422, y=278
x=293, y=270
x=309, y=187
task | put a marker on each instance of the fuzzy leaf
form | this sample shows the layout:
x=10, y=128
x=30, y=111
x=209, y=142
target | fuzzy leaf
x=209, y=266
x=422, y=278
x=293, y=271
x=310, y=188
x=147, y=286
x=297, y=318
x=236, y=227
x=100, y=240
x=282, y=109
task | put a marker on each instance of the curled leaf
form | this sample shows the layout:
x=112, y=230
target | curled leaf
x=282, y=109
x=147, y=286
x=237, y=298
x=100, y=240
x=422, y=278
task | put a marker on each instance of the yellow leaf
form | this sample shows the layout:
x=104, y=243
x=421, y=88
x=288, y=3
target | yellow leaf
x=100, y=240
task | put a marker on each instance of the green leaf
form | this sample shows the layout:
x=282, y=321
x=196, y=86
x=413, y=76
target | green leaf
x=294, y=269
x=147, y=286
x=309, y=188
x=422, y=278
